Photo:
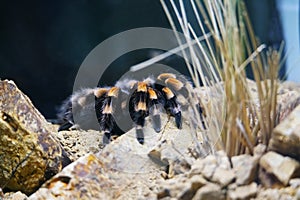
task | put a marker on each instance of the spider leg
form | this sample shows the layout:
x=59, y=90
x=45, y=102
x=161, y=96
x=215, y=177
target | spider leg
x=65, y=117
x=172, y=107
x=65, y=126
x=104, y=111
x=138, y=117
x=140, y=135
x=156, y=119
x=138, y=109
x=155, y=104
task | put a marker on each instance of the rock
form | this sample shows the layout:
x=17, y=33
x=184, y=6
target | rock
x=128, y=167
x=197, y=181
x=283, y=168
x=223, y=160
x=101, y=176
x=84, y=178
x=29, y=153
x=270, y=194
x=79, y=143
x=15, y=196
x=171, y=187
x=175, y=158
x=208, y=165
x=168, y=148
x=268, y=180
x=162, y=149
x=217, y=168
x=243, y=192
x=128, y=155
x=259, y=150
x=295, y=183
x=297, y=196
x=245, y=168
x=288, y=98
x=210, y=191
x=197, y=167
x=191, y=188
x=91, y=177
x=223, y=176
x=286, y=136
x=180, y=186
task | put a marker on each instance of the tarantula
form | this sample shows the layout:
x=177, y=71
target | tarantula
x=139, y=98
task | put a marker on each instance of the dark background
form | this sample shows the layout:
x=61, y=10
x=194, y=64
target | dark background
x=43, y=43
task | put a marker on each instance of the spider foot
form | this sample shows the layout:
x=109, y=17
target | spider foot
x=140, y=135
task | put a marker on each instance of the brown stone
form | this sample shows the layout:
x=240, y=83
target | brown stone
x=172, y=187
x=29, y=153
x=85, y=178
x=259, y=150
x=295, y=183
x=223, y=176
x=15, y=196
x=243, y=192
x=272, y=193
x=288, y=98
x=191, y=187
x=78, y=143
x=283, y=168
x=286, y=136
x=245, y=167
x=92, y=177
x=210, y=191
x=210, y=163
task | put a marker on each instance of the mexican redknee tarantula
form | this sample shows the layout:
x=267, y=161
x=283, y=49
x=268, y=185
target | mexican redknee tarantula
x=127, y=99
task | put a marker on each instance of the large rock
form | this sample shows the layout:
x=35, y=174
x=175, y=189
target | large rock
x=288, y=98
x=245, y=167
x=278, y=166
x=210, y=191
x=14, y=196
x=91, y=177
x=29, y=154
x=85, y=178
x=243, y=192
x=286, y=136
x=78, y=143
x=124, y=168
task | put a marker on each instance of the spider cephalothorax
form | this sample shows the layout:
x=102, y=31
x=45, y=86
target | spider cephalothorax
x=138, y=98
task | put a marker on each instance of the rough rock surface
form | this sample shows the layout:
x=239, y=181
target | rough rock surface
x=279, y=167
x=165, y=167
x=286, y=136
x=15, y=196
x=78, y=143
x=243, y=192
x=91, y=177
x=210, y=191
x=245, y=167
x=29, y=154
x=127, y=165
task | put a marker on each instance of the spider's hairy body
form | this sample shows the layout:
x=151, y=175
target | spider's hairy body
x=138, y=98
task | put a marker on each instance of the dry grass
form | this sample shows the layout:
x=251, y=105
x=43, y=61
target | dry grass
x=237, y=122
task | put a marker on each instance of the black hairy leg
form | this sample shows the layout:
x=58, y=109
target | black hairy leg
x=66, y=118
x=156, y=102
x=171, y=106
x=105, y=108
x=138, y=108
